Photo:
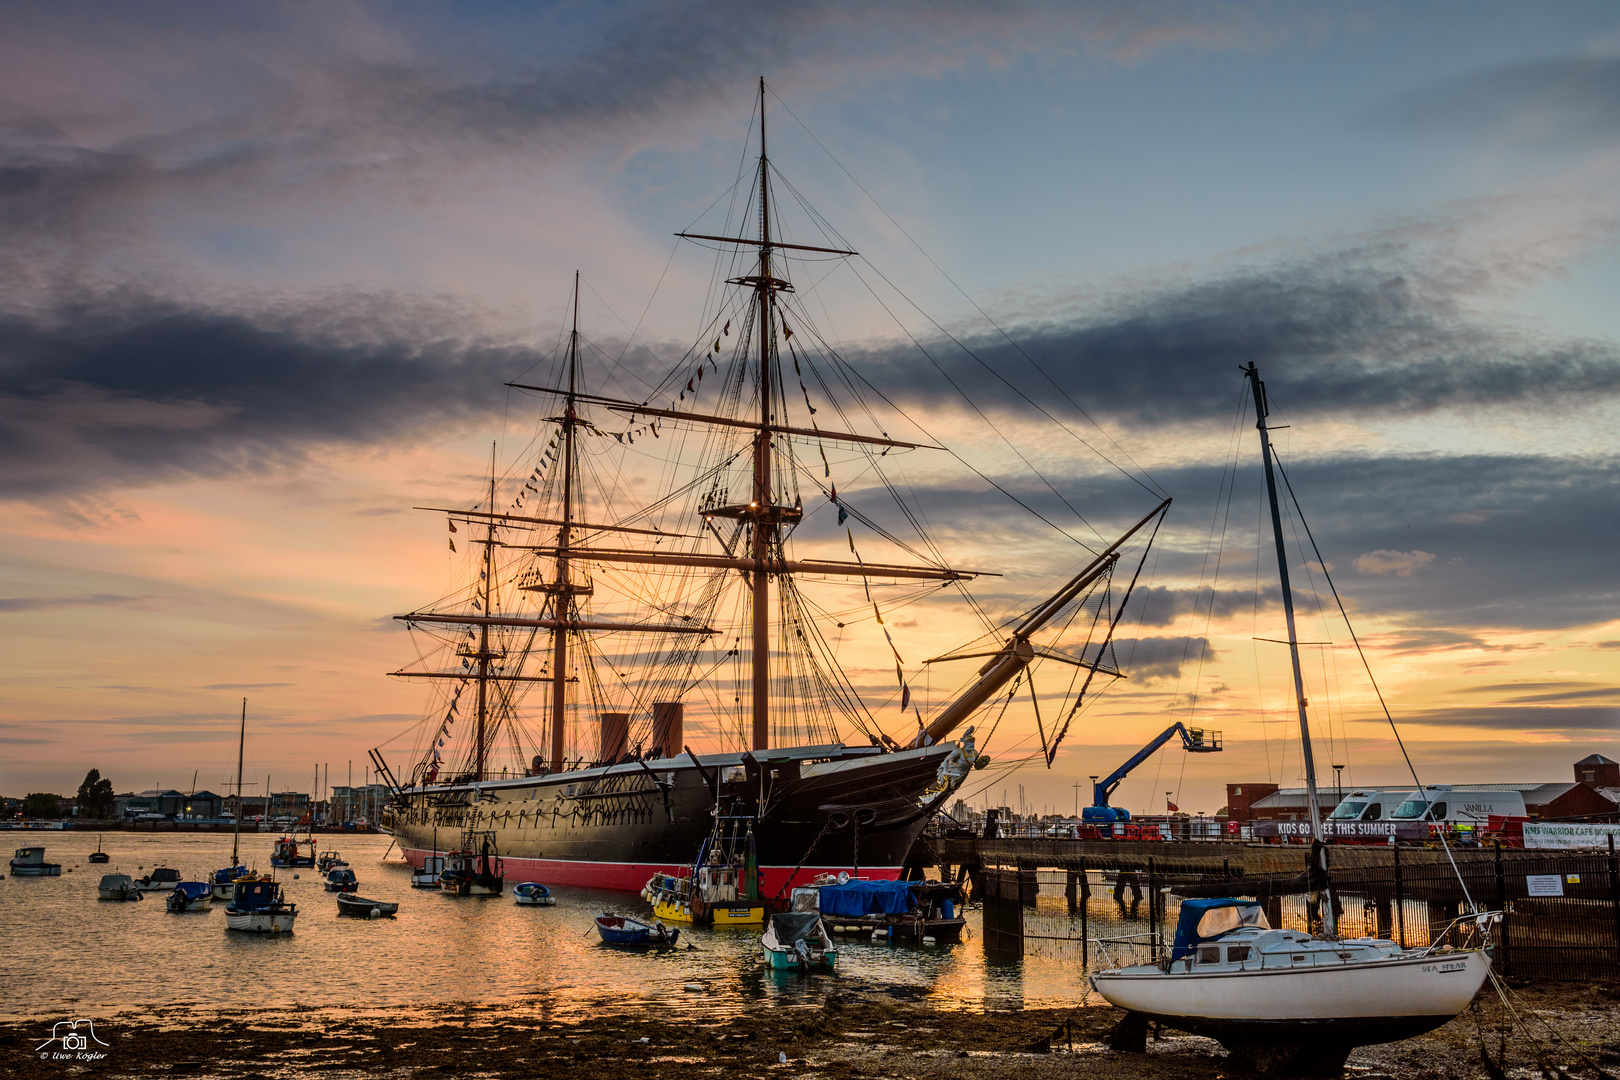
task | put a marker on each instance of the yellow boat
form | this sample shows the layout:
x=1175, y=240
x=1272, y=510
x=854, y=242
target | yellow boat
x=723, y=888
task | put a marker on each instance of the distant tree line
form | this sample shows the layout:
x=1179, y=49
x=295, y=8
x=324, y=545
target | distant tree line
x=95, y=800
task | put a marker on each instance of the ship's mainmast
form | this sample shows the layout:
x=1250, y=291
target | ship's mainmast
x=563, y=604
x=763, y=518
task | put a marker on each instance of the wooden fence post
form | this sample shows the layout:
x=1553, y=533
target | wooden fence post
x=1400, y=897
x=1501, y=905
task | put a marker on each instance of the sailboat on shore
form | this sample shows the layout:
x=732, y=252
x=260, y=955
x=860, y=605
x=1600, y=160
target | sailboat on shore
x=628, y=600
x=1280, y=998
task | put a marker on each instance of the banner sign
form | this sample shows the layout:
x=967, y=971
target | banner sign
x=1569, y=835
x=1346, y=830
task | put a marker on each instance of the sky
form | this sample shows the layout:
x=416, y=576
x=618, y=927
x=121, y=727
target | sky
x=265, y=271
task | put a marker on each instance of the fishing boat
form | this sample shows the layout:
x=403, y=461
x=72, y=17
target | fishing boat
x=117, y=887
x=330, y=860
x=613, y=600
x=290, y=851
x=532, y=894
x=797, y=941
x=99, y=856
x=624, y=930
x=1280, y=998
x=258, y=907
x=158, y=879
x=475, y=870
x=30, y=862
x=914, y=912
x=342, y=880
x=223, y=881
x=352, y=904
x=191, y=896
x=721, y=887
x=426, y=876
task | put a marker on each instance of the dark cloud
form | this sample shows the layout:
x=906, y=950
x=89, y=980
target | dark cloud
x=1146, y=659
x=1572, y=100
x=1161, y=606
x=44, y=603
x=1579, y=721
x=1373, y=327
x=106, y=395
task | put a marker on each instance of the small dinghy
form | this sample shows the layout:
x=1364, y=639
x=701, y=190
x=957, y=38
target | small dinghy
x=191, y=896
x=623, y=930
x=796, y=941
x=350, y=904
x=118, y=887
x=341, y=881
x=533, y=894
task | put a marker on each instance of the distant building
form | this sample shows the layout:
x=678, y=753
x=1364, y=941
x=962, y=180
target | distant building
x=1240, y=799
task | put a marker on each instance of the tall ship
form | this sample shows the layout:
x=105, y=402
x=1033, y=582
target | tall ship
x=655, y=594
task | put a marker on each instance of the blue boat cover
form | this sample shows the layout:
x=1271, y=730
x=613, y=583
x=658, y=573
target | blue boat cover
x=867, y=898
x=193, y=890
x=229, y=874
x=1197, y=923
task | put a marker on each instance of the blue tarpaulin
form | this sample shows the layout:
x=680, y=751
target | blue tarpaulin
x=867, y=898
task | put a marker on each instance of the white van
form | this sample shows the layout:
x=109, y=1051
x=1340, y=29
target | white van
x=1441, y=803
x=1369, y=804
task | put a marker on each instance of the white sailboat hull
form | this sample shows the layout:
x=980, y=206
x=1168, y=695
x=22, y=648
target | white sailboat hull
x=1352, y=1004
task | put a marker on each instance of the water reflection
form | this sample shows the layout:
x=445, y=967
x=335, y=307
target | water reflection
x=64, y=946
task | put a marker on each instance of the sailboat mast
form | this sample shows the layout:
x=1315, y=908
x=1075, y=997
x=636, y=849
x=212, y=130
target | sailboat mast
x=764, y=522
x=483, y=630
x=241, y=743
x=1261, y=411
x=563, y=606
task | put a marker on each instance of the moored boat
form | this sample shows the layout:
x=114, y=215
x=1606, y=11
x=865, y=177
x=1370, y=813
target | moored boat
x=532, y=894
x=474, y=872
x=342, y=881
x=624, y=930
x=797, y=941
x=289, y=851
x=721, y=888
x=353, y=904
x=158, y=879
x=909, y=911
x=426, y=876
x=117, y=887
x=258, y=907
x=1280, y=998
x=191, y=896
x=330, y=860
x=99, y=856
x=30, y=862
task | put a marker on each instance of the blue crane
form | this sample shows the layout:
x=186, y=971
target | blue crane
x=1100, y=814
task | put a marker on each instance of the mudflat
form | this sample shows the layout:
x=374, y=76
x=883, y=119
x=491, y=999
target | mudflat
x=857, y=1031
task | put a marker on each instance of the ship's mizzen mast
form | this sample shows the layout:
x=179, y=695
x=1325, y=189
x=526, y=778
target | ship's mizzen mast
x=763, y=525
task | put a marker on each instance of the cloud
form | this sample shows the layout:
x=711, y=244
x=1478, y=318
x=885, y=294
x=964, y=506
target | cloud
x=127, y=392
x=1580, y=722
x=1562, y=101
x=1160, y=605
x=1398, y=563
x=1147, y=659
x=243, y=686
x=45, y=603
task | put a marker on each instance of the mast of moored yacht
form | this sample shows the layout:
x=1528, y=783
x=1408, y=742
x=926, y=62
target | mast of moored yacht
x=1261, y=411
x=483, y=629
x=763, y=516
x=562, y=605
x=236, y=832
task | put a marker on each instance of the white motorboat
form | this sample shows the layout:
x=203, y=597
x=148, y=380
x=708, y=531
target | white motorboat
x=30, y=862
x=117, y=887
x=191, y=896
x=1278, y=998
x=158, y=879
x=428, y=876
x=257, y=907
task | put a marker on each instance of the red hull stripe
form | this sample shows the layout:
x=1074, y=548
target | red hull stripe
x=631, y=877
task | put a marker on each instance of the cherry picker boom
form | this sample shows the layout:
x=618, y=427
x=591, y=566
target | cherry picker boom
x=1103, y=816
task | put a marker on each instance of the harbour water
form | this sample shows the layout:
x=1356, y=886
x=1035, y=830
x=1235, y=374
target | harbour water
x=66, y=949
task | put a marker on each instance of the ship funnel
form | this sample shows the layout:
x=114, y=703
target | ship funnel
x=669, y=719
x=615, y=735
